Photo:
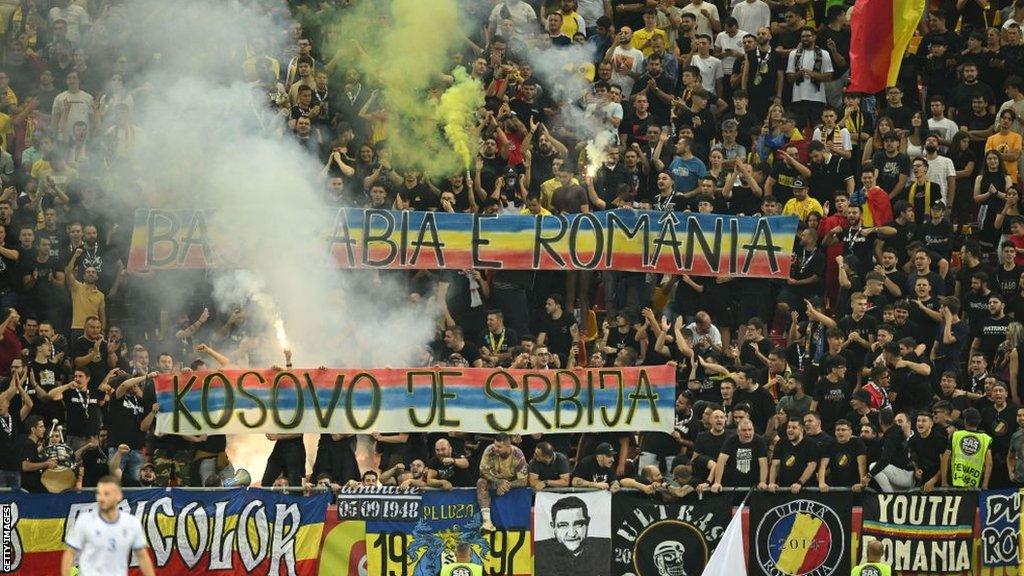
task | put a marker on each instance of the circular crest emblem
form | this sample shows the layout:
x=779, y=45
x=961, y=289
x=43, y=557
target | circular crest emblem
x=670, y=548
x=969, y=445
x=800, y=538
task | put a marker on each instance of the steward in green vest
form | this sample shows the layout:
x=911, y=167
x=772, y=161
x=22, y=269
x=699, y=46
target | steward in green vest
x=463, y=565
x=968, y=459
x=874, y=565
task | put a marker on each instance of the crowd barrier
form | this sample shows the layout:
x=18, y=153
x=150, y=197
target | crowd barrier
x=383, y=530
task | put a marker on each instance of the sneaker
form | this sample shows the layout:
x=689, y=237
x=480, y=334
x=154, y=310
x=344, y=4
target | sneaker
x=487, y=526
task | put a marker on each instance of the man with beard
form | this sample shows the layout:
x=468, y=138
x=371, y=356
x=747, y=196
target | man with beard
x=103, y=539
x=1000, y=422
x=794, y=460
x=548, y=469
x=571, y=550
x=502, y=468
x=445, y=469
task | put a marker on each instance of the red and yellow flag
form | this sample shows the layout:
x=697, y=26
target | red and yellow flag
x=880, y=32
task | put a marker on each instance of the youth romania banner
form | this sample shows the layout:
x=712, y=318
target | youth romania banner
x=227, y=532
x=921, y=532
x=417, y=400
x=398, y=542
x=880, y=31
x=805, y=534
x=628, y=240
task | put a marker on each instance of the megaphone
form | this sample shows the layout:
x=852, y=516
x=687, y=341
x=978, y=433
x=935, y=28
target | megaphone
x=241, y=478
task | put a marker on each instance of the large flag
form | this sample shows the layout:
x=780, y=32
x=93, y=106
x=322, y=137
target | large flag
x=880, y=31
x=727, y=559
x=806, y=534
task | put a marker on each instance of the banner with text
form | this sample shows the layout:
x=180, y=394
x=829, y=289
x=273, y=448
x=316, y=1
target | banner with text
x=800, y=534
x=398, y=542
x=417, y=400
x=641, y=241
x=234, y=532
x=1000, y=527
x=921, y=533
x=650, y=538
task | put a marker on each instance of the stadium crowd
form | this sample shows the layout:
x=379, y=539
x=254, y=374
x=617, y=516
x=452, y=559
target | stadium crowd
x=897, y=335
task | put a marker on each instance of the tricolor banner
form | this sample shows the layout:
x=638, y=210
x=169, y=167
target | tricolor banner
x=922, y=532
x=228, y=532
x=628, y=240
x=417, y=400
x=800, y=534
x=880, y=31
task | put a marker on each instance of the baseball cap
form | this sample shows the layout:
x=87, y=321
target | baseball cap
x=604, y=449
x=939, y=204
x=799, y=183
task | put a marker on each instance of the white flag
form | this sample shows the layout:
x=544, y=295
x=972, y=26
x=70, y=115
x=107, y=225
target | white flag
x=728, y=559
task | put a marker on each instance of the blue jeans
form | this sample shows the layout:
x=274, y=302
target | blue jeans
x=10, y=479
x=131, y=463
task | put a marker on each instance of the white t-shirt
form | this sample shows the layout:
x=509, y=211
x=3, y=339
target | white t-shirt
x=105, y=548
x=806, y=90
x=946, y=127
x=752, y=15
x=520, y=12
x=711, y=69
x=703, y=24
x=725, y=42
x=626, y=59
x=939, y=169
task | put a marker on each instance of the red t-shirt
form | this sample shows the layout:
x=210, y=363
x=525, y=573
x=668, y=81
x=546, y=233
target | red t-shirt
x=1018, y=242
x=10, y=348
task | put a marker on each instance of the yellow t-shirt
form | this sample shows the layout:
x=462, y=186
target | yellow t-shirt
x=570, y=26
x=1012, y=140
x=86, y=300
x=642, y=38
x=543, y=212
x=802, y=207
x=6, y=131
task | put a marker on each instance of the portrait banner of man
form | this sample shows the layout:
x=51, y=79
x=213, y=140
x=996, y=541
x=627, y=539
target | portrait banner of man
x=572, y=534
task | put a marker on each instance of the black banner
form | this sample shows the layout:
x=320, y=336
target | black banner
x=379, y=504
x=652, y=539
x=922, y=532
x=805, y=534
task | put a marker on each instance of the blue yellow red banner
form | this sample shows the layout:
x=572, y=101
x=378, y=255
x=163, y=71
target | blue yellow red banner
x=230, y=532
x=628, y=240
x=800, y=534
x=421, y=400
x=922, y=532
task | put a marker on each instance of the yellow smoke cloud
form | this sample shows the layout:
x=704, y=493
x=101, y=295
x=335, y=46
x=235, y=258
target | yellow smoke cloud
x=403, y=47
x=456, y=112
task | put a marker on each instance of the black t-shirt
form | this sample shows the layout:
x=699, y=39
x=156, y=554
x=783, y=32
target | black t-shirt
x=469, y=351
x=762, y=406
x=710, y=445
x=97, y=369
x=589, y=470
x=552, y=471
x=459, y=477
x=991, y=334
x=1006, y=281
x=559, y=333
x=742, y=466
x=926, y=453
x=83, y=411
x=937, y=236
x=124, y=415
x=420, y=197
x=866, y=327
x=10, y=272
x=10, y=438
x=32, y=481
x=833, y=400
x=975, y=307
x=890, y=168
x=1000, y=425
x=842, y=463
x=913, y=391
x=95, y=465
x=793, y=460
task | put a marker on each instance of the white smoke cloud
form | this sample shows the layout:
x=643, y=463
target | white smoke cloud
x=201, y=144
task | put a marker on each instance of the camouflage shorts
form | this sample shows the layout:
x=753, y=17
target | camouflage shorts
x=172, y=465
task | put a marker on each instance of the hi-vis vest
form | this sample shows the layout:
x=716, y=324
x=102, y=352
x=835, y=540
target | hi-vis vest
x=968, y=458
x=871, y=569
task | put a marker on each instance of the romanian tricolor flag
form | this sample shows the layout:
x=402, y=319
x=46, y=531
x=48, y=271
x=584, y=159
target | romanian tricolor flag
x=222, y=533
x=880, y=32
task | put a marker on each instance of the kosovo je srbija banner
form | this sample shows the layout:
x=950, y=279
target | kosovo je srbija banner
x=999, y=512
x=228, y=532
x=415, y=534
x=804, y=534
x=628, y=240
x=650, y=538
x=921, y=533
x=417, y=400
